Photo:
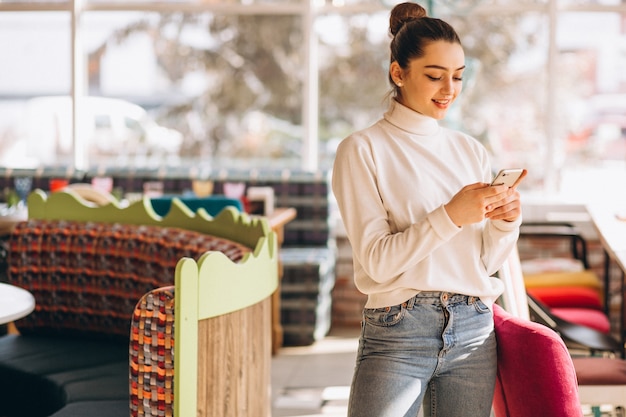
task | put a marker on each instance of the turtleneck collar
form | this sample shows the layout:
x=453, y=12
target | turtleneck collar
x=410, y=120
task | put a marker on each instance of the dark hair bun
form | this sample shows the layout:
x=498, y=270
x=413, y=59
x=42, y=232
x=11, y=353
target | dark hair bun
x=403, y=13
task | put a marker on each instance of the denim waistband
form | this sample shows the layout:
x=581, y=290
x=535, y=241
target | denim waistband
x=439, y=297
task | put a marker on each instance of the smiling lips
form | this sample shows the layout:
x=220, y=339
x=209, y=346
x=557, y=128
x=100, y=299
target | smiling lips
x=442, y=103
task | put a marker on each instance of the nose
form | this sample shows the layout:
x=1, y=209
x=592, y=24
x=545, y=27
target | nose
x=448, y=88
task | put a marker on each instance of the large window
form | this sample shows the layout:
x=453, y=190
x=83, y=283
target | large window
x=279, y=84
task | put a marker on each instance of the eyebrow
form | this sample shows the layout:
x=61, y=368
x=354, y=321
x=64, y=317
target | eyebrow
x=444, y=68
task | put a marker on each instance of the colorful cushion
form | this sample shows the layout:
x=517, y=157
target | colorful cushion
x=87, y=277
x=152, y=354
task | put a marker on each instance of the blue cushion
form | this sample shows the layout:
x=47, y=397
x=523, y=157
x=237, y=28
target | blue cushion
x=213, y=204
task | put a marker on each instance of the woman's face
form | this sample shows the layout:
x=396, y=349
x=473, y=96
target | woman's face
x=431, y=83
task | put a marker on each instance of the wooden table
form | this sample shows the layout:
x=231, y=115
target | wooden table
x=15, y=303
x=277, y=220
x=612, y=234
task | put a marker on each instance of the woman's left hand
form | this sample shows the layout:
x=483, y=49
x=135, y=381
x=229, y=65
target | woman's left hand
x=509, y=207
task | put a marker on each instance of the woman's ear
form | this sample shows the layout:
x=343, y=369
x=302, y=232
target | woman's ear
x=396, y=73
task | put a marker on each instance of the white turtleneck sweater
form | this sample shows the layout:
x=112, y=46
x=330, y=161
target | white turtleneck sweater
x=391, y=182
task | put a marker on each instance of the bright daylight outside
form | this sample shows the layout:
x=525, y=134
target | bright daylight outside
x=175, y=88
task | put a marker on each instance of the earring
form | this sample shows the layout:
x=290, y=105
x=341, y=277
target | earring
x=399, y=83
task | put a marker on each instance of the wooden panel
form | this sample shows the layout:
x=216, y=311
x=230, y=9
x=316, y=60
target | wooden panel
x=234, y=373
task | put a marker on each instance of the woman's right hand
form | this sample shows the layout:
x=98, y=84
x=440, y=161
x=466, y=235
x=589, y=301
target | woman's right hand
x=472, y=203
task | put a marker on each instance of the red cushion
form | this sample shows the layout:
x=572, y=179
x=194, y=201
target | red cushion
x=567, y=296
x=586, y=316
x=536, y=376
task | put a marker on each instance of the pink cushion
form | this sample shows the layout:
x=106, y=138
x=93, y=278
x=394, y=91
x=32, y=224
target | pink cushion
x=567, y=296
x=536, y=376
x=585, y=316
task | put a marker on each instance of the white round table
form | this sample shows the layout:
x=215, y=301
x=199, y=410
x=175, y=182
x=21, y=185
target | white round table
x=15, y=303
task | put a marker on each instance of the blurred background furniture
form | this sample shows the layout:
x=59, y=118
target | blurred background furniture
x=15, y=303
x=519, y=302
x=87, y=266
x=566, y=285
x=612, y=233
x=92, y=194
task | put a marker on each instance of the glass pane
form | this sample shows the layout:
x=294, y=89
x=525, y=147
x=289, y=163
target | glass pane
x=36, y=61
x=211, y=2
x=591, y=2
x=353, y=63
x=592, y=95
x=504, y=98
x=466, y=7
x=56, y=2
x=213, y=88
x=444, y=6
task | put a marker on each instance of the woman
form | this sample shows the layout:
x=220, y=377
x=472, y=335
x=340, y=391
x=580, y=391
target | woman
x=427, y=232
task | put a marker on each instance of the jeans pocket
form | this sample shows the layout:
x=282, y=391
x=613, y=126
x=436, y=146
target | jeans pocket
x=481, y=307
x=385, y=316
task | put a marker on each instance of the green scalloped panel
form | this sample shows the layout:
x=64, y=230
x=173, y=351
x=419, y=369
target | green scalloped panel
x=229, y=224
x=211, y=287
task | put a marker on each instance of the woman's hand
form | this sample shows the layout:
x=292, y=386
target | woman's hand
x=478, y=201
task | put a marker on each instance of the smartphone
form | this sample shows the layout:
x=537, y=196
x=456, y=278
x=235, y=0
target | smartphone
x=507, y=177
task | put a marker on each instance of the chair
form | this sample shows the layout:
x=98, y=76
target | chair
x=570, y=296
x=601, y=380
x=564, y=282
x=203, y=347
x=518, y=302
x=536, y=376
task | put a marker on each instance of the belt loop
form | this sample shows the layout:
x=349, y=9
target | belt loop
x=411, y=302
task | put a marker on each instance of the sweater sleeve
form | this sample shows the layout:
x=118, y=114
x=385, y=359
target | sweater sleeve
x=499, y=239
x=382, y=252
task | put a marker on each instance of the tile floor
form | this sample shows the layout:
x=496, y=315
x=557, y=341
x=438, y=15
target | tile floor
x=314, y=381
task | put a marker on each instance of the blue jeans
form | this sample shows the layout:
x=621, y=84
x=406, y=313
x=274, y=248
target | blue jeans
x=437, y=348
